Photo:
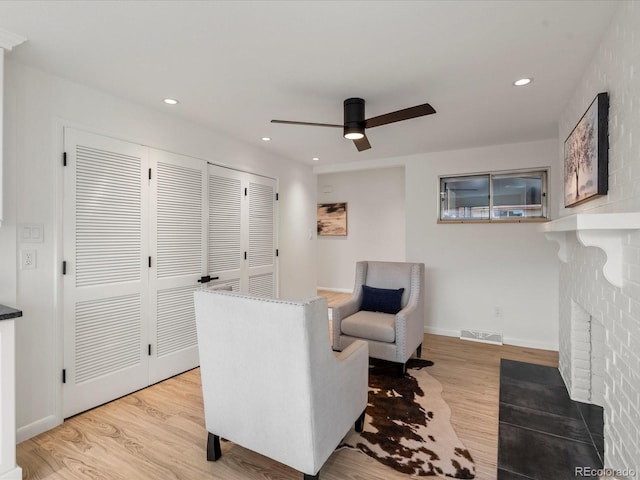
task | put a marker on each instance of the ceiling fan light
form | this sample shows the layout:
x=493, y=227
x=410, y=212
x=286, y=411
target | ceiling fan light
x=522, y=82
x=353, y=118
x=354, y=135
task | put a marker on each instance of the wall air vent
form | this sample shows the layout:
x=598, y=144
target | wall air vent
x=484, y=337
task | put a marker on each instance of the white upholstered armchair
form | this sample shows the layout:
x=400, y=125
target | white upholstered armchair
x=386, y=309
x=271, y=382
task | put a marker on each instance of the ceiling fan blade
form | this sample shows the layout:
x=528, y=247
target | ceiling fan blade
x=289, y=122
x=398, y=116
x=362, y=144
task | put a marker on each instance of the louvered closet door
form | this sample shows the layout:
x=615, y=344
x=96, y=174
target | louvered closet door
x=261, y=239
x=178, y=242
x=225, y=250
x=106, y=281
x=242, y=231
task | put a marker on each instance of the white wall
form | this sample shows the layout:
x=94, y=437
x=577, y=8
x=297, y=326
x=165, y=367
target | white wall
x=472, y=268
x=614, y=69
x=376, y=223
x=37, y=106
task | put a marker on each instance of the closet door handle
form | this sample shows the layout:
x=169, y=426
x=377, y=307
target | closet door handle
x=207, y=279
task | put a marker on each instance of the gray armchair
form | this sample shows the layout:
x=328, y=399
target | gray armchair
x=391, y=336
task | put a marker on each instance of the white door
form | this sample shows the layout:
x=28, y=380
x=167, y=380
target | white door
x=106, y=291
x=261, y=239
x=178, y=214
x=224, y=252
x=242, y=231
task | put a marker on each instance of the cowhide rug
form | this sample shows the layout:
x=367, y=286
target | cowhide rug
x=407, y=424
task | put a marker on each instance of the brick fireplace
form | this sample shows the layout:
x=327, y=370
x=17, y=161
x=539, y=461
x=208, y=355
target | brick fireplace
x=587, y=356
x=600, y=324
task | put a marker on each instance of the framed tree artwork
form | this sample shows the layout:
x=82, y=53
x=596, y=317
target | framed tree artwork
x=586, y=152
x=332, y=219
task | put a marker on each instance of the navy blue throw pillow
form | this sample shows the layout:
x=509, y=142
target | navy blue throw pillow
x=381, y=300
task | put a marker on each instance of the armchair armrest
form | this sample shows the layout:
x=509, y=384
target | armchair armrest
x=406, y=313
x=354, y=350
x=339, y=392
x=350, y=382
x=342, y=311
x=409, y=331
x=346, y=308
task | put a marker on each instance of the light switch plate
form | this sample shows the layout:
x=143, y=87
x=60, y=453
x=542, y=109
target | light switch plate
x=31, y=232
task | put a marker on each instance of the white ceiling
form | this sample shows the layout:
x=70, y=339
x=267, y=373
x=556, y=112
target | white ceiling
x=236, y=65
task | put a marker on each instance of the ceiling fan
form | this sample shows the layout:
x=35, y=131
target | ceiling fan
x=355, y=123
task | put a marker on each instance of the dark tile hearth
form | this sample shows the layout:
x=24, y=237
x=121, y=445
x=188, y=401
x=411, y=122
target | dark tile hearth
x=544, y=435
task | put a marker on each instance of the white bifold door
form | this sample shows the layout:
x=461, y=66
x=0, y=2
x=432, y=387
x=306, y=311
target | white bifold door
x=241, y=232
x=143, y=229
x=105, y=272
x=178, y=214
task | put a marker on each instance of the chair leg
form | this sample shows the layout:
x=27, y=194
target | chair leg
x=360, y=423
x=402, y=369
x=311, y=477
x=419, y=351
x=213, y=447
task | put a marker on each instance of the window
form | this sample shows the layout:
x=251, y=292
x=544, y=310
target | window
x=464, y=198
x=494, y=197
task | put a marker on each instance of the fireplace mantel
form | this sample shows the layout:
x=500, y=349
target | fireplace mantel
x=607, y=231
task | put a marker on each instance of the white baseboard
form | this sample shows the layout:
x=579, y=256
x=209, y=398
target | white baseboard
x=338, y=290
x=519, y=342
x=36, y=428
x=15, y=474
x=516, y=342
x=442, y=331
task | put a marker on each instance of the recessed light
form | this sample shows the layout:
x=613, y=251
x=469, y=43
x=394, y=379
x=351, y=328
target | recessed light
x=522, y=82
x=170, y=101
x=266, y=139
x=315, y=159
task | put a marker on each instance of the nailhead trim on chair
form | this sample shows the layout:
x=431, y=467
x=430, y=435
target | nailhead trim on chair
x=415, y=278
x=227, y=293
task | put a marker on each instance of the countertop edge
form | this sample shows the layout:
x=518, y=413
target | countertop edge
x=8, y=313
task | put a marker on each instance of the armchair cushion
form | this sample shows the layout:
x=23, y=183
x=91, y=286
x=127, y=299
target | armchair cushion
x=370, y=326
x=381, y=299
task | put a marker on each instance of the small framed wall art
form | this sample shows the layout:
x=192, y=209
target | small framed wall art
x=586, y=155
x=332, y=219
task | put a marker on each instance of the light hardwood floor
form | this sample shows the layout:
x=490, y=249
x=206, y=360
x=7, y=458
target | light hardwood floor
x=158, y=433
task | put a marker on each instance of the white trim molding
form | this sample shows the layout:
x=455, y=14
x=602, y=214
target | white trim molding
x=15, y=474
x=507, y=340
x=9, y=40
x=607, y=231
x=1, y=127
x=8, y=467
